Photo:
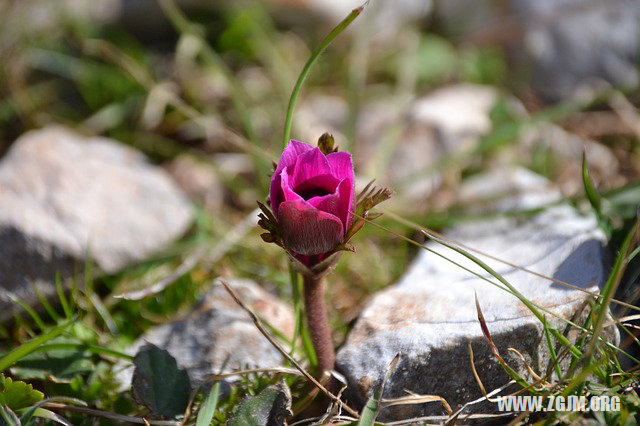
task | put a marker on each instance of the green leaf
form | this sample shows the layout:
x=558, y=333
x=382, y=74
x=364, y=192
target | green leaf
x=270, y=407
x=208, y=409
x=17, y=394
x=158, y=383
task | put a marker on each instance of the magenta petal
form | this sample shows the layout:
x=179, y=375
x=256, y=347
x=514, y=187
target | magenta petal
x=328, y=203
x=310, y=164
x=287, y=159
x=307, y=230
x=288, y=194
x=341, y=165
x=337, y=204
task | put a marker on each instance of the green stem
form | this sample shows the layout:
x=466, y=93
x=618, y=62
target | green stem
x=307, y=67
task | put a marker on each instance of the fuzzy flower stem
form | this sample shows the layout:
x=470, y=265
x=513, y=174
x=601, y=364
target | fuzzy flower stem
x=319, y=323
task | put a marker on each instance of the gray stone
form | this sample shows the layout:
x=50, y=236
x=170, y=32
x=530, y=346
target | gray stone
x=430, y=315
x=63, y=196
x=219, y=332
x=565, y=46
x=573, y=43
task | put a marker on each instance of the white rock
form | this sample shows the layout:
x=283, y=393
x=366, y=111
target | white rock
x=430, y=314
x=460, y=112
x=63, y=196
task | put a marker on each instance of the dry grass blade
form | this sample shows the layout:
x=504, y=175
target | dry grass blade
x=486, y=333
x=188, y=264
x=436, y=235
x=477, y=377
x=282, y=370
x=107, y=415
x=334, y=410
x=526, y=364
x=284, y=353
x=487, y=397
x=438, y=420
x=414, y=398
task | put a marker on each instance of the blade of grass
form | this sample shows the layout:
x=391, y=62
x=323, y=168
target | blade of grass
x=552, y=349
x=208, y=409
x=26, y=348
x=50, y=415
x=9, y=417
x=307, y=68
x=84, y=347
x=592, y=195
x=32, y=313
x=44, y=302
x=596, y=201
x=611, y=286
x=371, y=410
x=63, y=299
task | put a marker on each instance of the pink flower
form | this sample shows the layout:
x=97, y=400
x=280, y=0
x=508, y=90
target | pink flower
x=311, y=196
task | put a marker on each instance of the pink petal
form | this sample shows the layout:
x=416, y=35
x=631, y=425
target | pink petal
x=287, y=159
x=307, y=230
x=310, y=164
x=337, y=204
x=341, y=165
x=288, y=194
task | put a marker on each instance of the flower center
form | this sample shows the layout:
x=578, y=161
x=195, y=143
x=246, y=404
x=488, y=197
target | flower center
x=317, y=186
x=313, y=192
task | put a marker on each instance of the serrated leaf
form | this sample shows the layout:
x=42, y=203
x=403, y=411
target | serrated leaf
x=158, y=383
x=17, y=394
x=271, y=407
